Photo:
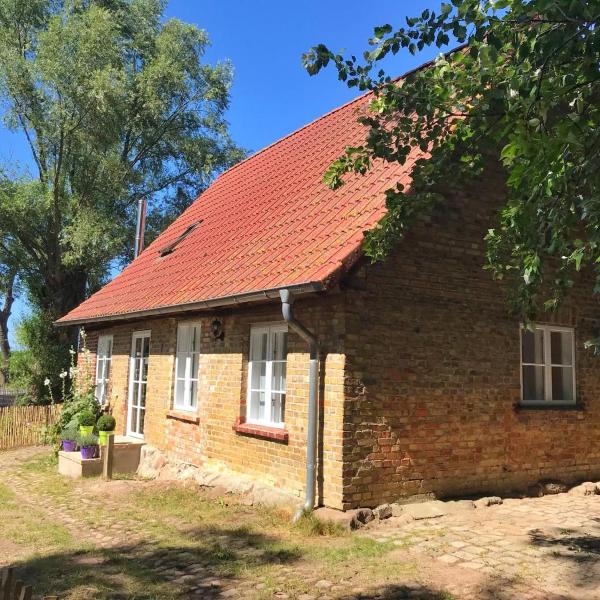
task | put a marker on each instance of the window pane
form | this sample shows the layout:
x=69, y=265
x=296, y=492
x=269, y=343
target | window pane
x=183, y=335
x=106, y=369
x=259, y=346
x=181, y=361
x=562, y=384
x=257, y=406
x=142, y=415
x=133, y=425
x=533, y=346
x=194, y=394
x=179, y=392
x=278, y=383
x=278, y=408
x=280, y=345
x=561, y=347
x=195, y=338
x=259, y=376
x=533, y=383
x=143, y=395
x=194, y=371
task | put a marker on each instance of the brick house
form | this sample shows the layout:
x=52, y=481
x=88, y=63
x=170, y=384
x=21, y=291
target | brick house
x=426, y=384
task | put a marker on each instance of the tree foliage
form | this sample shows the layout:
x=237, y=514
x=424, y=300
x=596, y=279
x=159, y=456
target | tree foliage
x=115, y=103
x=525, y=87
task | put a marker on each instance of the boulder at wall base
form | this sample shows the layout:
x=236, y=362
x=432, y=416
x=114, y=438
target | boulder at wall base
x=554, y=487
x=348, y=519
x=383, y=511
x=154, y=465
x=488, y=501
x=587, y=488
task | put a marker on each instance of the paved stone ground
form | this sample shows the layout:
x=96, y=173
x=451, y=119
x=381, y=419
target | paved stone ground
x=551, y=543
x=532, y=549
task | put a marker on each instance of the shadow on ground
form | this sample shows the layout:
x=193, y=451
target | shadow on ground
x=497, y=588
x=145, y=571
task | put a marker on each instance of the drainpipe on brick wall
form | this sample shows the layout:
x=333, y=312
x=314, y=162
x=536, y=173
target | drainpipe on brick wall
x=287, y=300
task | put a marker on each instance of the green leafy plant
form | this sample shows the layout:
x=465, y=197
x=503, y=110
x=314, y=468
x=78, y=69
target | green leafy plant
x=115, y=101
x=70, y=433
x=522, y=94
x=86, y=418
x=106, y=423
x=78, y=397
x=87, y=440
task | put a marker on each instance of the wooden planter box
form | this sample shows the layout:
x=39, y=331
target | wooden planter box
x=126, y=458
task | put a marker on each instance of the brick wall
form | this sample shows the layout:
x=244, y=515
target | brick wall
x=433, y=372
x=207, y=436
x=420, y=375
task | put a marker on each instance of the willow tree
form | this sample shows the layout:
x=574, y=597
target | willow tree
x=523, y=87
x=115, y=103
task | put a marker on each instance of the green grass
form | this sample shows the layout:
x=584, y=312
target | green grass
x=181, y=525
x=29, y=527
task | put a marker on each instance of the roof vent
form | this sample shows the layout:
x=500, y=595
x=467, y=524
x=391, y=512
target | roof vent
x=171, y=247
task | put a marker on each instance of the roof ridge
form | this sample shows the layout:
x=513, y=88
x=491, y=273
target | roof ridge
x=288, y=135
x=334, y=110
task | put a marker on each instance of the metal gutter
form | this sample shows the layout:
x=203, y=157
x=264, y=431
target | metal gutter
x=233, y=300
x=287, y=300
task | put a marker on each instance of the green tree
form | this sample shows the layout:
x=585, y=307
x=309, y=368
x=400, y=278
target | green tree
x=8, y=281
x=523, y=89
x=116, y=103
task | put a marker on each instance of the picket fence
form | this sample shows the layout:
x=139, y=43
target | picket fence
x=26, y=425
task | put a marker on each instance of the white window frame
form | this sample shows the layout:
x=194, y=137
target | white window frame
x=187, y=403
x=256, y=330
x=548, y=364
x=101, y=386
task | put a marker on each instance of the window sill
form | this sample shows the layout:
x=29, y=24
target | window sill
x=558, y=406
x=261, y=431
x=188, y=417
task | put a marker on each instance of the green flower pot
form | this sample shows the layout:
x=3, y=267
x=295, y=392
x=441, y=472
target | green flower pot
x=86, y=429
x=103, y=437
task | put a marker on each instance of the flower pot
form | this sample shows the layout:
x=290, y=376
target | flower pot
x=69, y=446
x=86, y=429
x=103, y=436
x=88, y=452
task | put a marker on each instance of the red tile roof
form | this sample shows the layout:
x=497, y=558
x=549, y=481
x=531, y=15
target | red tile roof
x=269, y=222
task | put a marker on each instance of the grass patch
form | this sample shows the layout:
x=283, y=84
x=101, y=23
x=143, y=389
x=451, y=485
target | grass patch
x=309, y=525
x=42, y=465
x=181, y=528
x=30, y=528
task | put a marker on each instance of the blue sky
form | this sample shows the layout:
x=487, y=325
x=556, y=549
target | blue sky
x=272, y=95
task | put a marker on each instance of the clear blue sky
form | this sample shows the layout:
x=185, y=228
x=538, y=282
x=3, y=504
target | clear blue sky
x=272, y=95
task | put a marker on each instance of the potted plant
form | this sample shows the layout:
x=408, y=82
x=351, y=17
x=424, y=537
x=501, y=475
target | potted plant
x=87, y=420
x=106, y=426
x=68, y=437
x=88, y=444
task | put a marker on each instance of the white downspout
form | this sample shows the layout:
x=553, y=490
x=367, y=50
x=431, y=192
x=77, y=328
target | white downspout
x=287, y=300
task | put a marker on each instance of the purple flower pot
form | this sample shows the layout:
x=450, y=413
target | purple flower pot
x=88, y=452
x=69, y=446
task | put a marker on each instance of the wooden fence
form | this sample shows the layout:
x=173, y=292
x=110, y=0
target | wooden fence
x=12, y=588
x=26, y=425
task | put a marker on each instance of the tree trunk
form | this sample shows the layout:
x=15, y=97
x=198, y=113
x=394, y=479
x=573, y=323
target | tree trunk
x=4, y=316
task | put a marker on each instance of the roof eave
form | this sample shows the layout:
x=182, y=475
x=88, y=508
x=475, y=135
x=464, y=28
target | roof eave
x=233, y=300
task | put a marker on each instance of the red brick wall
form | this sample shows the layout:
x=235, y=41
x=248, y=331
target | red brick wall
x=207, y=436
x=433, y=373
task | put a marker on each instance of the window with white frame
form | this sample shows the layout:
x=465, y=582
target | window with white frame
x=186, y=366
x=267, y=375
x=548, y=365
x=103, y=364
